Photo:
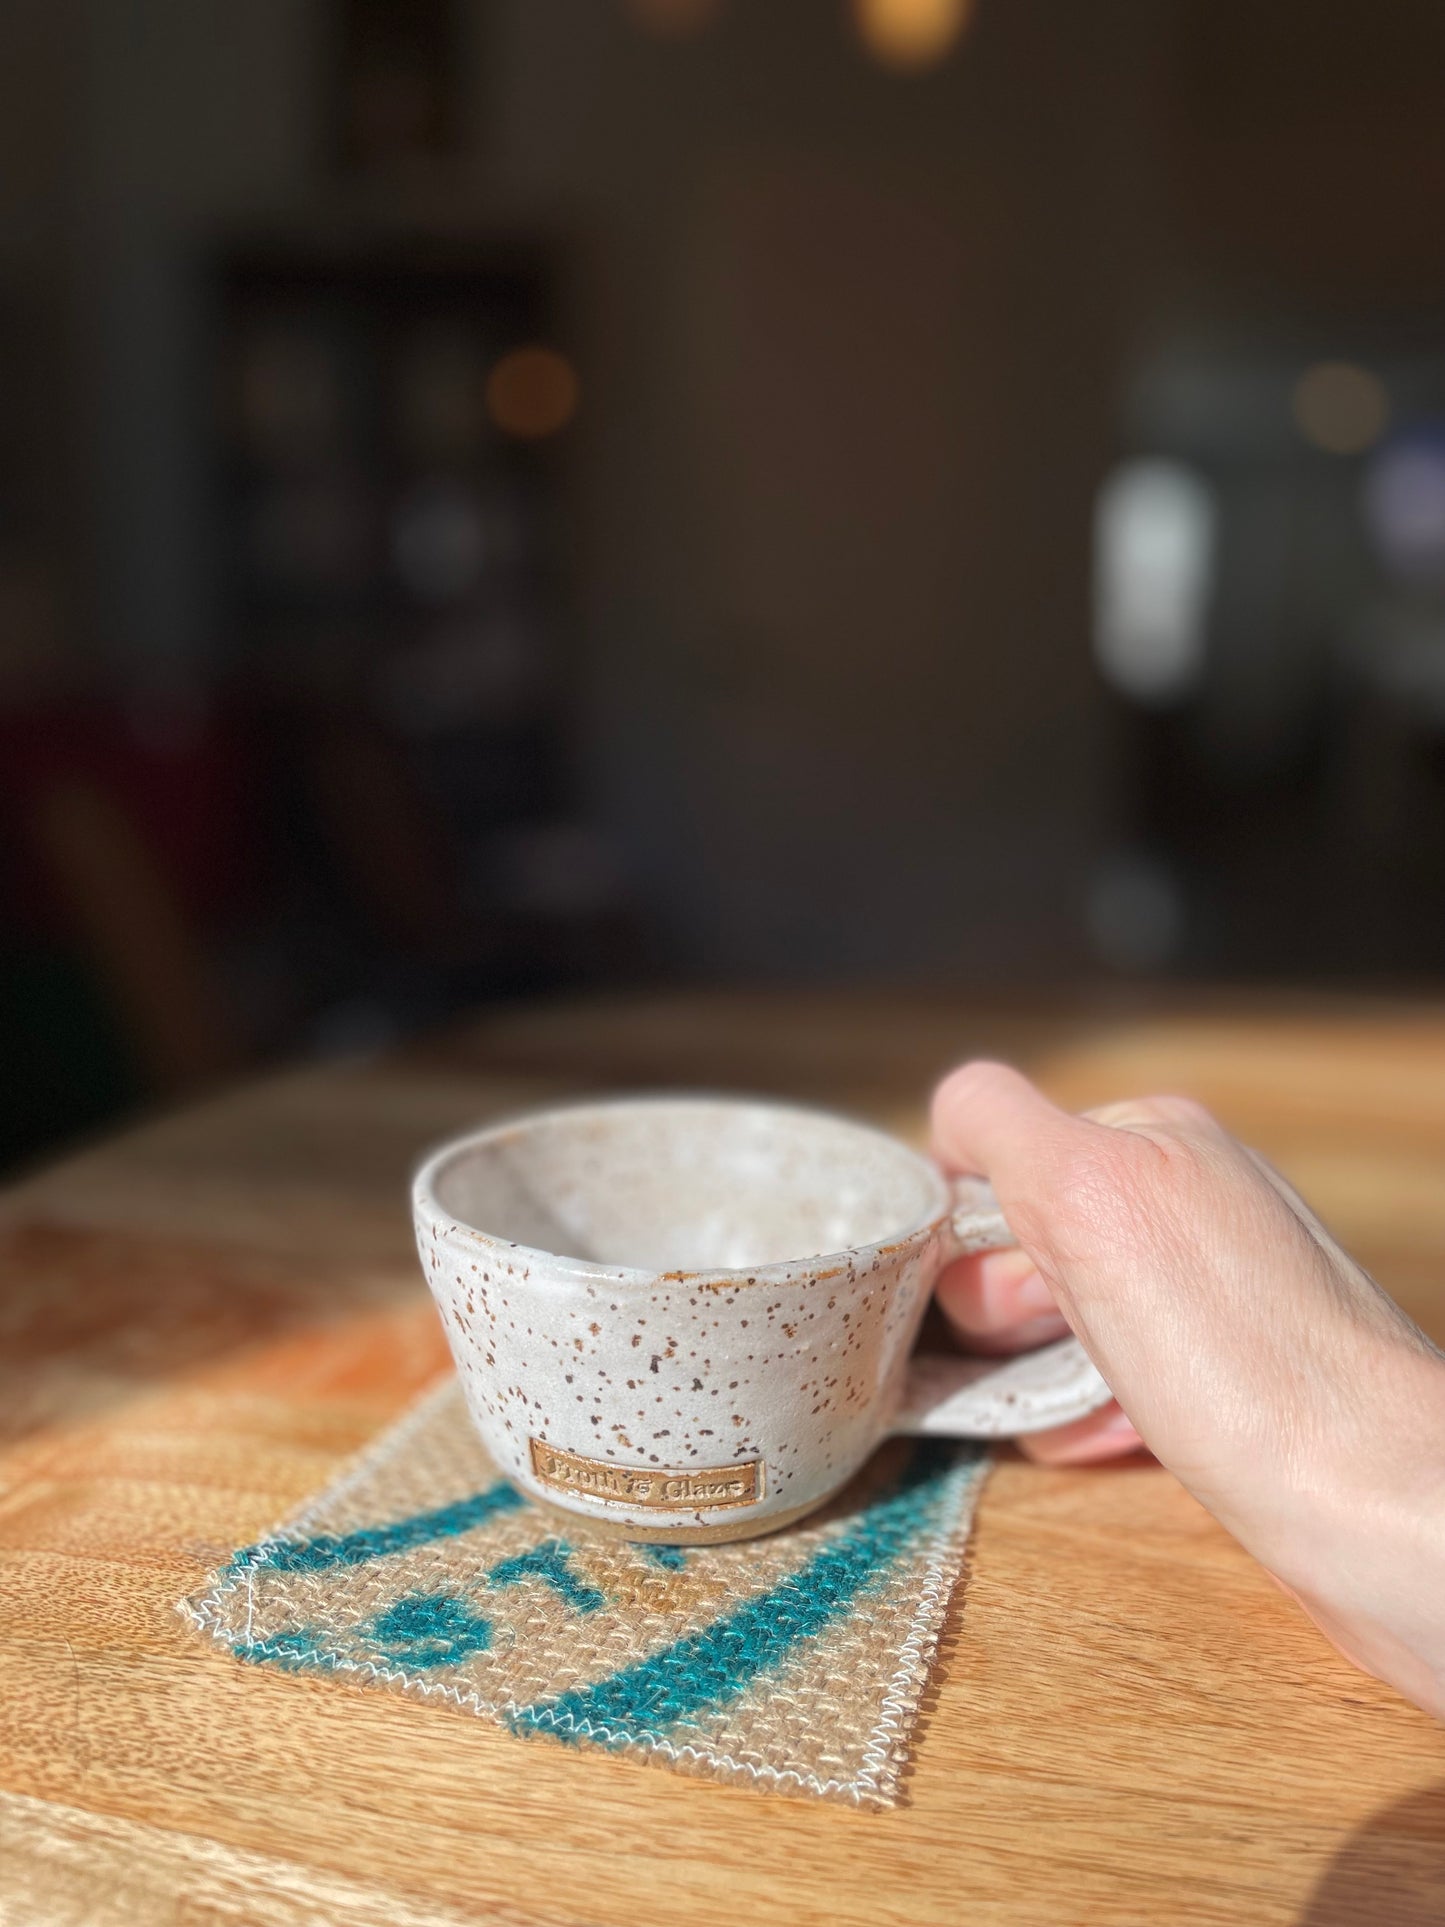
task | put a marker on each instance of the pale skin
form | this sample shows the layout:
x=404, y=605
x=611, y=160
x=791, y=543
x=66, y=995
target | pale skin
x=1246, y=1350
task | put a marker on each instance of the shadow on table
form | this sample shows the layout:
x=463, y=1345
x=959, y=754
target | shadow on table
x=1390, y=1872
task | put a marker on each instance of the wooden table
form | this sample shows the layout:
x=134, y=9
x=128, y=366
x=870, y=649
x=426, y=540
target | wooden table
x=200, y=1319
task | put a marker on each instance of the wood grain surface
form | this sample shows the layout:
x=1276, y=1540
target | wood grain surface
x=199, y=1320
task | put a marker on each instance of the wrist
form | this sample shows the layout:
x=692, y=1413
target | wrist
x=1370, y=1566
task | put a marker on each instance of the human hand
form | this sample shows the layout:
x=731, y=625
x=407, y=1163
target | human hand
x=1250, y=1353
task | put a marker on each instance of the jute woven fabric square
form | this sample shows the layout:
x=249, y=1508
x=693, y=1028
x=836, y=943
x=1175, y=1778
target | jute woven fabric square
x=795, y=1662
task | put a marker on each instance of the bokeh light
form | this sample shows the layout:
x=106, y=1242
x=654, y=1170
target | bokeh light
x=1340, y=407
x=1404, y=506
x=290, y=401
x=440, y=377
x=439, y=540
x=1135, y=912
x=910, y=33
x=673, y=19
x=310, y=534
x=1154, y=543
x=532, y=392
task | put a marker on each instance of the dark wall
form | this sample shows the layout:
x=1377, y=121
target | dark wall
x=857, y=347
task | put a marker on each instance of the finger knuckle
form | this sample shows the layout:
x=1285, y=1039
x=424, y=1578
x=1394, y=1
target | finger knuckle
x=1120, y=1189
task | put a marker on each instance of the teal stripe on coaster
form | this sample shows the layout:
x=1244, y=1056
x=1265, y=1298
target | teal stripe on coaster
x=551, y=1562
x=421, y=1629
x=430, y=1630
x=375, y=1542
x=704, y=1671
x=670, y=1558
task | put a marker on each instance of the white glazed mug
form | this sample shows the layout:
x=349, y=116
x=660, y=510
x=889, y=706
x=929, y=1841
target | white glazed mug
x=690, y=1319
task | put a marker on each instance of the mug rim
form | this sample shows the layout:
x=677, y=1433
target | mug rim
x=723, y=1277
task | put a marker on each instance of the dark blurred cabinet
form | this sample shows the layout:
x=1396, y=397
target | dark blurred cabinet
x=391, y=566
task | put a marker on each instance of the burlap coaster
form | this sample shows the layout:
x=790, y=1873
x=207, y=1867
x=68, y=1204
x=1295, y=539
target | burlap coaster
x=795, y=1662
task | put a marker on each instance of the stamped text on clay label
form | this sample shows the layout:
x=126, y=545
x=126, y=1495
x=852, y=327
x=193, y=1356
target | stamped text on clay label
x=641, y=1486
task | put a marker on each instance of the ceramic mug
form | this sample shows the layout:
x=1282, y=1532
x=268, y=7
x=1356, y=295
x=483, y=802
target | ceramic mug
x=690, y=1319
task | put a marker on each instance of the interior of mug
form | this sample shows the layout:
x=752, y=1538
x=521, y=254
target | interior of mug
x=694, y=1184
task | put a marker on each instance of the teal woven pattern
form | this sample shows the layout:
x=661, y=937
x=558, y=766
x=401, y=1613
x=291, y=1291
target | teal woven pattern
x=796, y=1661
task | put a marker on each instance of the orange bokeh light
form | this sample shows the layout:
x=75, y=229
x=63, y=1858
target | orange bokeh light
x=532, y=392
x=673, y=19
x=910, y=33
x=1340, y=407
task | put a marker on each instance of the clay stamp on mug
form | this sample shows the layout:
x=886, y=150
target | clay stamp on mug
x=631, y=1485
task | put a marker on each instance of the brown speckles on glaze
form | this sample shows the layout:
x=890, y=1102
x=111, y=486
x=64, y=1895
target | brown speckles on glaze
x=719, y=1193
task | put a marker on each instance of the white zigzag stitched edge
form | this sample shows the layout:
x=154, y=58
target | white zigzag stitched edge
x=880, y=1769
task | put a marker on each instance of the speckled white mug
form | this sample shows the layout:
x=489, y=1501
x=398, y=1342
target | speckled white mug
x=691, y=1319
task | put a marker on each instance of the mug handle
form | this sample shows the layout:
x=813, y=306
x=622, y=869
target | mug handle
x=947, y=1396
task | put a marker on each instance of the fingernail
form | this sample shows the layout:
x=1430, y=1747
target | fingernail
x=1032, y=1297
x=1117, y=1426
x=1028, y=1332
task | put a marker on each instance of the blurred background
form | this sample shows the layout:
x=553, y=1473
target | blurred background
x=500, y=498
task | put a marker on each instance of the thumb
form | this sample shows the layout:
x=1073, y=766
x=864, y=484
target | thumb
x=1101, y=1204
x=990, y=1120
